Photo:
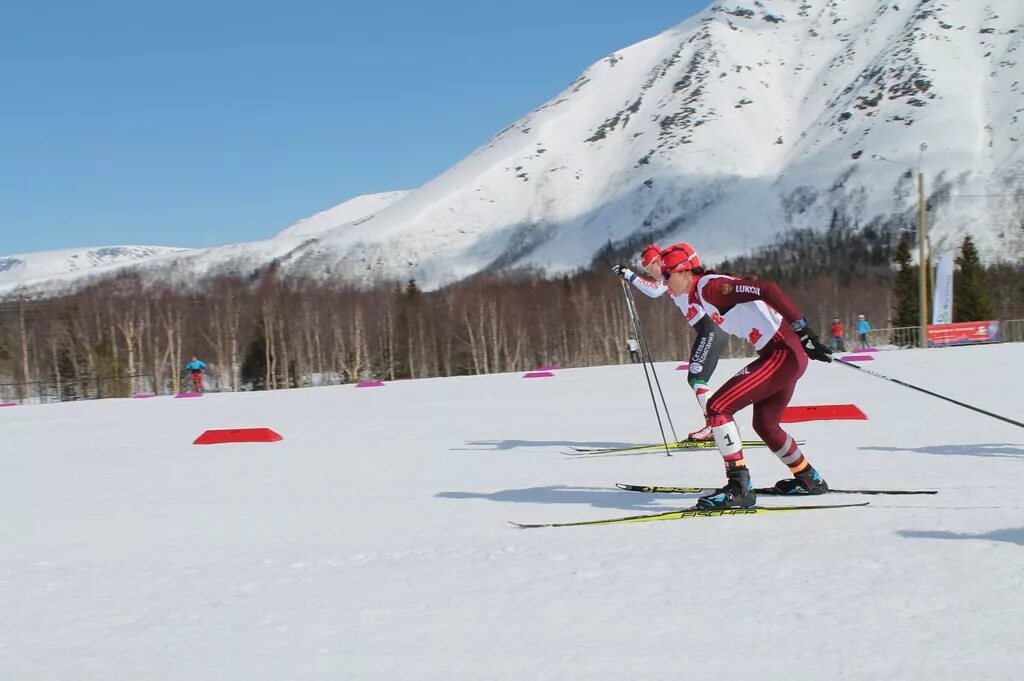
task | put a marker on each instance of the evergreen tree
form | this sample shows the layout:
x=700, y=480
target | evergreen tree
x=66, y=378
x=905, y=287
x=970, y=295
x=5, y=347
x=254, y=362
x=400, y=341
x=72, y=383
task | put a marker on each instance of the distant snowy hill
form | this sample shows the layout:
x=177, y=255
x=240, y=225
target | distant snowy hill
x=52, y=271
x=34, y=268
x=750, y=118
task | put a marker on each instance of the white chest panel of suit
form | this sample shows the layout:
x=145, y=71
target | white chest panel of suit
x=691, y=310
x=754, y=321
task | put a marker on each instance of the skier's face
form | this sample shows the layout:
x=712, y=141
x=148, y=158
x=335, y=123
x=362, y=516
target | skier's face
x=679, y=282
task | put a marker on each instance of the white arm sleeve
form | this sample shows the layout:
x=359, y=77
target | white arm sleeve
x=649, y=287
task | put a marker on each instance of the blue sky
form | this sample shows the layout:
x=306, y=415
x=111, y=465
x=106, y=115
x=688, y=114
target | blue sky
x=199, y=123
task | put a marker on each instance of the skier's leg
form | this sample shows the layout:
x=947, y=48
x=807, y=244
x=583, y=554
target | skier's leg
x=766, y=418
x=702, y=392
x=742, y=390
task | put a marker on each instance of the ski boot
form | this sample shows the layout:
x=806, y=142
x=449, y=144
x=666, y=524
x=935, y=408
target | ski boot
x=807, y=481
x=737, y=493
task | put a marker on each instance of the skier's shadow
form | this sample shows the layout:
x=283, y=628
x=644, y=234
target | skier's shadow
x=1011, y=535
x=597, y=497
x=504, y=445
x=989, y=449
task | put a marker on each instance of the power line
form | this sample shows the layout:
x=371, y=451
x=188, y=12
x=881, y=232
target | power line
x=981, y=196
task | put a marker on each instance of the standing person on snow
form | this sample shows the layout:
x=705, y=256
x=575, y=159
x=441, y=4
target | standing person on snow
x=707, y=346
x=196, y=367
x=762, y=314
x=634, y=350
x=837, y=330
x=863, y=326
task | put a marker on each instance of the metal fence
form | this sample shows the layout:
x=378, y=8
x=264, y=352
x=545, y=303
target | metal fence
x=895, y=337
x=1010, y=331
x=98, y=387
x=129, y=385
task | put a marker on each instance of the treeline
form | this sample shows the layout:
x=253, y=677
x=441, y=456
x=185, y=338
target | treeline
x=845, y=264
x=121, y=336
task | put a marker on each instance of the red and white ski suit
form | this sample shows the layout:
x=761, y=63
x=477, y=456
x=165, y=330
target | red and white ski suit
x=760, y=313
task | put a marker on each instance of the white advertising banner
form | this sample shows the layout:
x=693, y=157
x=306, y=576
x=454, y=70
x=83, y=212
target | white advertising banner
x=942, y=309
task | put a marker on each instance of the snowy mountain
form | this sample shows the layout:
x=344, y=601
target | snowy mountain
x=30, y=269
x=373, y=541
x=749, y=118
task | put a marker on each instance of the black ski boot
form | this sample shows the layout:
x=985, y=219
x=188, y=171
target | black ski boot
x=807, y=481
x=737, y=493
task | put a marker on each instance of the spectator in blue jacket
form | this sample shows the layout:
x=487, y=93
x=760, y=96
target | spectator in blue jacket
x=196, y=368
x=862, y=330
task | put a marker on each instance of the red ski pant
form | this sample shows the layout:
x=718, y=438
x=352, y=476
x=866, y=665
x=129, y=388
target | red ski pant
x=197, y=381
x=767, y=383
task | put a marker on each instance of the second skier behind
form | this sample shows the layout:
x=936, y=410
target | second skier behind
x=707, y=346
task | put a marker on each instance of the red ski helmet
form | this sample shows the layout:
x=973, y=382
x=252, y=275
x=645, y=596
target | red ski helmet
x=679, y=258
x=649, y=255
x=650, y=260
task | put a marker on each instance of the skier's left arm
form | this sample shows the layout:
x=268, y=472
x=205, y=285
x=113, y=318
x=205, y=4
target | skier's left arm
x=733, y=292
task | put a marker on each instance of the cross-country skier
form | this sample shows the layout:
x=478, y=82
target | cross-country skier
x=759, y=312
x=196, y=368
x=707, y=346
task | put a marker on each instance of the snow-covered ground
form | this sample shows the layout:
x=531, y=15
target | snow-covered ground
x=372, y=542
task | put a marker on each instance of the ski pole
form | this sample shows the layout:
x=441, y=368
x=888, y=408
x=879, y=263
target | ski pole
x=643, y=349
x=644, y=358
x=643, y=340
x=927, y=392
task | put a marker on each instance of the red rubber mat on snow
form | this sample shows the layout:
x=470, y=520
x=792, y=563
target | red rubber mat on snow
x=218, y=437
x=823, y=412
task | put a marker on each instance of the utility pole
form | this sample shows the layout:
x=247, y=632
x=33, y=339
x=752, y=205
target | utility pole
x=924, y=267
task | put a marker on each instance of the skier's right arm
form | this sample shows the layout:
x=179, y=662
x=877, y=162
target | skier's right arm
x=649, y=287
x=707, y=348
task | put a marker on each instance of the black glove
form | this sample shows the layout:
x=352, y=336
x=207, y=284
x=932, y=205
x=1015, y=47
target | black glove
x=622, y=271
x=812, y=346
